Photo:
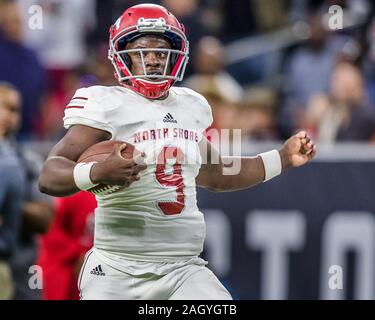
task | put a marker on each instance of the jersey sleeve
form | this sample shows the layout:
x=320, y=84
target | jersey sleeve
x=87, y=107
x=207, y=118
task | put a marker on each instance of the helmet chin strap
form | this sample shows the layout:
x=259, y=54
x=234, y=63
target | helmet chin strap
x=152, y=90
x=148, y=89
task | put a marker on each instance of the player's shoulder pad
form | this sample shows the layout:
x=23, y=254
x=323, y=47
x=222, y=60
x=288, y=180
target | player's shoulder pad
x=184, y=91
x=92, y=107
x=200, y=103
x=93, y=93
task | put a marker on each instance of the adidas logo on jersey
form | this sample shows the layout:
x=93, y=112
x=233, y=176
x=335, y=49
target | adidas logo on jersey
x=169, y=118
x=98, y=271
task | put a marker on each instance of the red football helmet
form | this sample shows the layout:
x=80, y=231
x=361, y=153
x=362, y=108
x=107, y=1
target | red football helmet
x=141, y=20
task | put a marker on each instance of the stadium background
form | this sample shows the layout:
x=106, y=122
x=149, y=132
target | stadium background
x=268, y=68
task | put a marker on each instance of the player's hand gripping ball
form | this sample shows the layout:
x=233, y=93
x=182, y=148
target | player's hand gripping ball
x=100, y=152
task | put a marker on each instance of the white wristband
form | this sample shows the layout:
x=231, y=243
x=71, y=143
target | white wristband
x=272, y=164
x=81, y=175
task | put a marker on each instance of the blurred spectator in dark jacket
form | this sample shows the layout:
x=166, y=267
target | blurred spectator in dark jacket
x=344, y=114
x=239, y=19
x=309, y=71
x=19, y=66
x=64, y=246
x=36, y=208
x=12, y=185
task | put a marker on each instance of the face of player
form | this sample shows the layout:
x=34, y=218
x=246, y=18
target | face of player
x=10, y=114
x=155, y=62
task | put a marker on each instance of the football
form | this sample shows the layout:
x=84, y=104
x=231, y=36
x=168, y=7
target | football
x=99, y=152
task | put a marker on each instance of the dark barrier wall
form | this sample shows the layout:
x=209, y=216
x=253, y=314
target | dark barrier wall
x=308, y=234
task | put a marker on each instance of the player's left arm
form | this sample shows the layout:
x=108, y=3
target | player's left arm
x=296, y=151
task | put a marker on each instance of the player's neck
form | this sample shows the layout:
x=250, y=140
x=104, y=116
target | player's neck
x=165, y=96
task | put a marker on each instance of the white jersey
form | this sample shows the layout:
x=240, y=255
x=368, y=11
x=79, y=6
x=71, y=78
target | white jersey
x=155, y=218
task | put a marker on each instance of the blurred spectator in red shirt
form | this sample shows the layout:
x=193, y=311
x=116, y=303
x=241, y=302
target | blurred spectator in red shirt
x=64, y=246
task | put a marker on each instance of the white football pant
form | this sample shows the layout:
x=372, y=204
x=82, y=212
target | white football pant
x=190, y=282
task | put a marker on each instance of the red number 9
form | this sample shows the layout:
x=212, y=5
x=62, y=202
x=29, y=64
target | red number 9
x=168, y=174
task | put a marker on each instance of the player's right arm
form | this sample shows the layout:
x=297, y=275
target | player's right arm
x=57, y=179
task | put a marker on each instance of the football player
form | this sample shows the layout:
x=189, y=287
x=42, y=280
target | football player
x=149, y=233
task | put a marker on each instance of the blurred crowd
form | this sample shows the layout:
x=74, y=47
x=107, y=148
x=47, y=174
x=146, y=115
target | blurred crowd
x=266, y=67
